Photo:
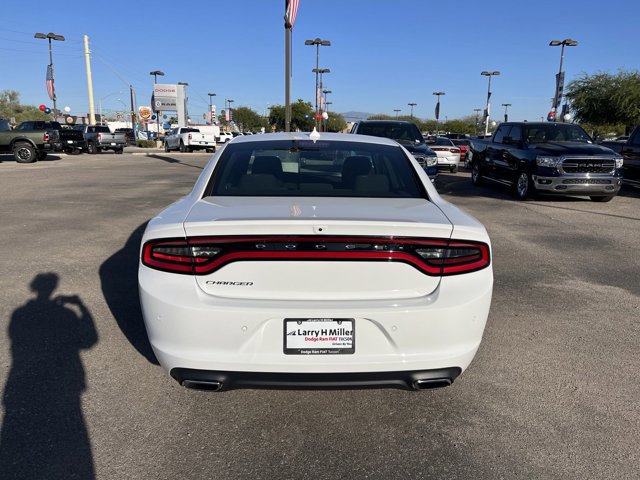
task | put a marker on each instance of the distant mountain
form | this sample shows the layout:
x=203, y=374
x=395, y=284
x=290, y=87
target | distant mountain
x=355, y=116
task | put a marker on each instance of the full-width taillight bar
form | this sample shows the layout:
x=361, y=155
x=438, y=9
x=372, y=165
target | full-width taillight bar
x=204, y=255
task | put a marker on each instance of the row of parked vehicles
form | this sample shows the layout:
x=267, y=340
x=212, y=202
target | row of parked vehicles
x=530, y=158
x=33, y=140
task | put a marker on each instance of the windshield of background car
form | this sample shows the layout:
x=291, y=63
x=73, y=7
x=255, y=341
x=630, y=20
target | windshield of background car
x=321, y=169
x=555, y=132
x=400, y=132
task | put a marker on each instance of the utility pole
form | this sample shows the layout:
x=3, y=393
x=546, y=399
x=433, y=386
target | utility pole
x=87, y=58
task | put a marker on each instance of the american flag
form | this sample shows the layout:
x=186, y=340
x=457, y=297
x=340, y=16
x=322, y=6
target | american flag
x=290, y=12
x=49, y=83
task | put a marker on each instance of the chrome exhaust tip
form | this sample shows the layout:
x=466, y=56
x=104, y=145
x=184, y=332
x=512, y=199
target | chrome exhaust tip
x=212, y=386
x=431, y=383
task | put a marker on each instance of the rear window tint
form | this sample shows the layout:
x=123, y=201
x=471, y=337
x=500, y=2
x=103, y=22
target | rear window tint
x=325, y=169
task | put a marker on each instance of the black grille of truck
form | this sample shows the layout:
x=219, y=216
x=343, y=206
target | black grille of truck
x=588, y=165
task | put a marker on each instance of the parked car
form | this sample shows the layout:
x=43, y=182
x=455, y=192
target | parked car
x=69, y=141
x=464, y=144
x=188, y=139
x=99, y=137
x=630, y=151
x=406, y=134
x=224, y=137
x=448, y=153
x=27, y=146
x=552, y=157
x=129, y=133
x=305, y=260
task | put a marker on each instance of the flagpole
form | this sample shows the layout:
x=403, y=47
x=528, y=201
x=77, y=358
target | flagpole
x=287, y=75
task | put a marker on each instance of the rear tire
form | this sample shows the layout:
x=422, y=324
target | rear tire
x=183, y=149
x=24, y=153
x=119, y=151
x=91, y=148
x=166, y=147
x=453, y=169
x=601, y=198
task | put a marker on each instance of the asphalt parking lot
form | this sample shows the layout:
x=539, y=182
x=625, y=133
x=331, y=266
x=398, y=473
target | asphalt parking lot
x=552, y=393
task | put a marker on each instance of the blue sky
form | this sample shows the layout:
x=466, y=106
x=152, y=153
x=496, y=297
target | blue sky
x=384, y=54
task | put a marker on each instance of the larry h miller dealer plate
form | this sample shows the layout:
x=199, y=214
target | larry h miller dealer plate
x=319, y=336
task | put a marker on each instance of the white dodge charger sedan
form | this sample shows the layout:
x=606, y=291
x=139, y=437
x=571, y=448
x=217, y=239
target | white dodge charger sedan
x=314, y=261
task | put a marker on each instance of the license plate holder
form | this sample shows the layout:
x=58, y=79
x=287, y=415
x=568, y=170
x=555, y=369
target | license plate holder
x=319, y=336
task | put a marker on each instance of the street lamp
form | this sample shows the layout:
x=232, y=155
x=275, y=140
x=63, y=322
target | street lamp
x=155, y=74
x=412, y=105
x=317, y=42
x=50, y=86
x=488, y=108
x=319, y=72
x=477, y=110
x=228, y=114
x=557, y=98
x=397, y=110
x=210, y=107
x=506, y=106
x=438, y=94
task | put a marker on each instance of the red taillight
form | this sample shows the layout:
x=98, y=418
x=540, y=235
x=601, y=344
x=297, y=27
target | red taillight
x=99, y=137
x=45, y=137
x=204, y=255
x=189, y=136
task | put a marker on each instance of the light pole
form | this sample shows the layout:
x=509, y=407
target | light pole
x=412, y=104
x=438, y=94
x=210, y=107
x=228, y=114
x=155, y=74
x=319, y=72
x=50, y=84
x=477, y=110
x=397, y=110
x=488, y=108
x=557, y=98
x=317, y=42
x=506, y=115
x=326, y=109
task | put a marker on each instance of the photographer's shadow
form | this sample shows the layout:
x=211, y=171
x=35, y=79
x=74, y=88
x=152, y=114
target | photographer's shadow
x=43, y=433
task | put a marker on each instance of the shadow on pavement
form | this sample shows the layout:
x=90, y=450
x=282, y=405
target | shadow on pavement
x=43, y=433
x=119, y=280
x=168, y=159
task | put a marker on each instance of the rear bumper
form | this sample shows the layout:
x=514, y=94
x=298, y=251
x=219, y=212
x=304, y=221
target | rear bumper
x=404, y=380
x=189, y=329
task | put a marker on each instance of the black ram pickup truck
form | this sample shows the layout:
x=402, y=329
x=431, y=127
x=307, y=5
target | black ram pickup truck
x=630, y=151
x=71, y=141
x=554, y=158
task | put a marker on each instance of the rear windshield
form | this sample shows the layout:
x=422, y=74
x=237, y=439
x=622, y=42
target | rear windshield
x=440, y=141
x=321, y=169
x=555, y=132
x=400, y=132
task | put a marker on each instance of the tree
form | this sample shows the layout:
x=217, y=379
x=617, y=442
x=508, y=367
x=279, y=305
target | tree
x=10, y=107
x=301, y=116
x=248, y=119
x=335, y=123
x=604, y=98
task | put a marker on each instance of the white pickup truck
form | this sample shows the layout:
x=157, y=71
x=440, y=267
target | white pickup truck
x=188, y=139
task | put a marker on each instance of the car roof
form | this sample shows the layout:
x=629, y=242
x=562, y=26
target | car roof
x=332, y=137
